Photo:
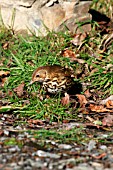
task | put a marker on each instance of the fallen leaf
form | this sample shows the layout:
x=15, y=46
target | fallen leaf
x=107, y=120
x=65, y=121
x=5, y=45
x=99, y=156
x=109, y=104
x=83, y=110
x=3, y=77
x=94, y=71
x=69, y=54
x=19, y=89
x=10, y=93
x=87, y=93
x=65, y=100
x=72, y=56
x=82, y=100
x=78, y=39
x=36, y=122
x=3, y=80
x=4, y=73
x=98, y=108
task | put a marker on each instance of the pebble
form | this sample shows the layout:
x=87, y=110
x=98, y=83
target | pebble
x=65, y=146
x=44, y=154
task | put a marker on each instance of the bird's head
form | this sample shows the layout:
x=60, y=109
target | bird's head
x=39, y=75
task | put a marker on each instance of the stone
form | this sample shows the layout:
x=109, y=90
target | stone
x=80, y=15
x=54, y=16
x=39, y=16
x=73, y=25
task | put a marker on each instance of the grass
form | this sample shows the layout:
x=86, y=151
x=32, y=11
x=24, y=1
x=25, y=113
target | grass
x=21, y=58
x=75, y=135
x=24, y=54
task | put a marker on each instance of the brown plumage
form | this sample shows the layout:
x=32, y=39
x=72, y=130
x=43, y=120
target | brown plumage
x=53, y=78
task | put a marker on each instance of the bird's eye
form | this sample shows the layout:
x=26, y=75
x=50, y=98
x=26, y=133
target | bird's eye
x=37, y=75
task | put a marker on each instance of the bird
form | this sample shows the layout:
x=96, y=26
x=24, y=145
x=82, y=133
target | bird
x=54, y=78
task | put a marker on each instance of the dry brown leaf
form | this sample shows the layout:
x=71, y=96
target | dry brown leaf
x=72, y=56
x=3, y=81
x=87, y=93
x=78, y=39
x=109, y=104
x=19, y=89
x=69, y=54
x=82, y=100
x=83, y=110
x=107, y=120
x=10, y=93
x=93, y=71
x=5, y=45
x=100, y=156
x=3, y=77
x=36, y=122
x=65, y=100
x=98, y=108
x=4, y=73
x=65, y=121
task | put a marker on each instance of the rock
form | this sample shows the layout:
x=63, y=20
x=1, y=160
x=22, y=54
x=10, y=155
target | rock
x=65, y=146
x=80, y=15
x=54, y=16
x=44, y=154
x=39, y=16
x=73, y=25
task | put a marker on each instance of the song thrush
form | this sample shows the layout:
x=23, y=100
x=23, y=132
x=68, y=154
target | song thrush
x=53, y=78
